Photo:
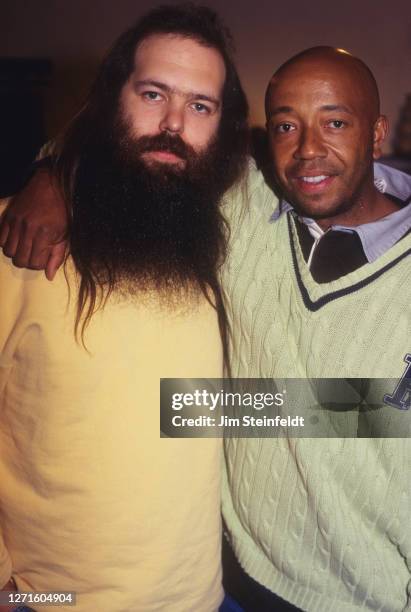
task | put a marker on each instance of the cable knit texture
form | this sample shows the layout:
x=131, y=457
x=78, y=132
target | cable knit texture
x=324, y=523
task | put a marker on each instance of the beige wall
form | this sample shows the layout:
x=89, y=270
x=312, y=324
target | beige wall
x=75, y=34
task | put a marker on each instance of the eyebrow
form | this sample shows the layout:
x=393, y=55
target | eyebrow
x=325, y=107
x=281, y=109
x=337, y=107
x=174, y=90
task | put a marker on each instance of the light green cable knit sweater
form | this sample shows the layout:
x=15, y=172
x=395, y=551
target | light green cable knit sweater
x=324, y=523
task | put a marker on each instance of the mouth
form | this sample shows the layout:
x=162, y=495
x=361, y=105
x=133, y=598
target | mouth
x=314, y=183
x=164, y=157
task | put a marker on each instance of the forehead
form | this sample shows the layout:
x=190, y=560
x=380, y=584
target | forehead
x=312, y=86
x=180, y=63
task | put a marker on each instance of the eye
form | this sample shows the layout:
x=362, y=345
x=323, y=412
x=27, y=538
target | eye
x=336, y=124
x=200, y=108
x=284, y=128
x=151, y=96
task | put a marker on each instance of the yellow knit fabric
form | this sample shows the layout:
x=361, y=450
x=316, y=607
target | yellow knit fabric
x=92, y=500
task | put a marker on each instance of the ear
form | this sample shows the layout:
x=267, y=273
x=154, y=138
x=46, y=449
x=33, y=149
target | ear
x=379, y=134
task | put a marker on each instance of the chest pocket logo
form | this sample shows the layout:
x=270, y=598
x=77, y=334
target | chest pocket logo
x=401, y=398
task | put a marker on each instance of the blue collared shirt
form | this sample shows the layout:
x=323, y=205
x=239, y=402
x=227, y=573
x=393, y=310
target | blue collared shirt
x=379, y=236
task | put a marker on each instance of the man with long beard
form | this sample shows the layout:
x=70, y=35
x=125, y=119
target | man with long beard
x=92, y=500
x=322, y=524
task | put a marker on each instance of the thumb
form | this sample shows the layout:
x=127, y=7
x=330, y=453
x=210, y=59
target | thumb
x=56, y=259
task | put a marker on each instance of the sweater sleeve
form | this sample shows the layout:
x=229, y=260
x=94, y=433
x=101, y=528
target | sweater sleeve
x=249, y=201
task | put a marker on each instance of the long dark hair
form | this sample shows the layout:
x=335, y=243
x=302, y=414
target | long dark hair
x=89, y=126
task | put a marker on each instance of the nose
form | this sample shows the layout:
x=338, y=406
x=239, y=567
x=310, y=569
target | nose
x=173, y=118
x=310, y=145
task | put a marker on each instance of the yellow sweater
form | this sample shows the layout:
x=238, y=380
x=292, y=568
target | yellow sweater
x=92, y=500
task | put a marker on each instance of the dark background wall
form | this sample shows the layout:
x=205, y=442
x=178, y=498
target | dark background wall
x=74, y=34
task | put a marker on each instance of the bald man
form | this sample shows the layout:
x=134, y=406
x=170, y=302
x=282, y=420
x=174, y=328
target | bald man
x=319, y=286
x=319, y=524
x=325, y=128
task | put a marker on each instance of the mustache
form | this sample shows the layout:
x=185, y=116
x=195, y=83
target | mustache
x=164, y=142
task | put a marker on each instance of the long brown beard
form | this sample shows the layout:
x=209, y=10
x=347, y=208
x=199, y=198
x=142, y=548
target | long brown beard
x=148, y=227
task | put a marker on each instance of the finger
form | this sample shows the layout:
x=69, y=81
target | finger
x=12, y=241
x=26, y=239
x=56, y=259
x=22, y=254
x=41, y=250
x=4, y=231
x=40, y=261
